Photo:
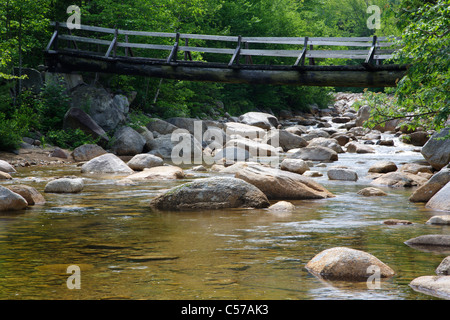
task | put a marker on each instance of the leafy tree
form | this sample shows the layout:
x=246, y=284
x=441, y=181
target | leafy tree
x=423, y=95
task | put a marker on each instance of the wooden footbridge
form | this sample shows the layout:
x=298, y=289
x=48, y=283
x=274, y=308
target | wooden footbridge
x=237, y=59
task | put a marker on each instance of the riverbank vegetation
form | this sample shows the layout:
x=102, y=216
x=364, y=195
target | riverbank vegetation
x=25, y=30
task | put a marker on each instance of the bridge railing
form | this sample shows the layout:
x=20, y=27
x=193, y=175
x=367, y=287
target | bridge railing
x=371, y=50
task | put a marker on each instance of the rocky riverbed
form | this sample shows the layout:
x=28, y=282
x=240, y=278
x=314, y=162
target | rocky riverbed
x=331, y=179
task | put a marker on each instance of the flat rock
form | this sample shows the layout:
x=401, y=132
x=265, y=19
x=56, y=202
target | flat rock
x=399, y=179
x=342, y=174
x=283, y=185
x=430, y=240
x=445, y=220
x=437, y=286
x=393, y=222
x=371, y=192
x=158, y=173
x=64, y=185
x=317, y=153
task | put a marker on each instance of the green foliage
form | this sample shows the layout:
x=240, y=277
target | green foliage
x=53, y=104
x=69, y=138
x=423, y=95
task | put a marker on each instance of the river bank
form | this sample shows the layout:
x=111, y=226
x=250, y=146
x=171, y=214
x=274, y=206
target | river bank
x=109, y=229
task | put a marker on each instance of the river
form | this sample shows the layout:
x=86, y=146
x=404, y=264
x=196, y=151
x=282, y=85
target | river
x=127, y=251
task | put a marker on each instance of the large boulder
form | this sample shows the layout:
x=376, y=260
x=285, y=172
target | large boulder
x=107, y=110
x=107, y=163
x=75, y=118
x=342, y=263
x=11, y=201
x=144, y=160
x=431, y=187
x=127, y=142
x=441, y=200
x=64, y=185
x=158, y=173
x=6, y=167
x=280, y=184
x=318, y=153
x=437, y=150
x=30, y=194
x=259, y=119
x=211, y=193
x=87, y=152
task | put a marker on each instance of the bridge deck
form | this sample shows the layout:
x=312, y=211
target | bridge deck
x=148, y=59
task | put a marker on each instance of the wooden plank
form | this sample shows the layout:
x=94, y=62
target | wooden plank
x=84, y=39
x=301, y=57
x=207, y=50
x=173, y=53
x=145, y=46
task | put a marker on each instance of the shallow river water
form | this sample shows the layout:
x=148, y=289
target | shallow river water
x=127, y=251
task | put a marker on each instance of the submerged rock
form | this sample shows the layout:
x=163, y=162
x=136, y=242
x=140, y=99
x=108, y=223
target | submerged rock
x=342, y=263
x=445, y=220
x=430, y=240
x=158, y=173
x=371, y=192
x=437, y=286
x=399, y=179
x=282, y=206
x=211, y=193
x=280, y=184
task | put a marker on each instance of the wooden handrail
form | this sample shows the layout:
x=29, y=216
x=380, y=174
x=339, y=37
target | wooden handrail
x=376, y=48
